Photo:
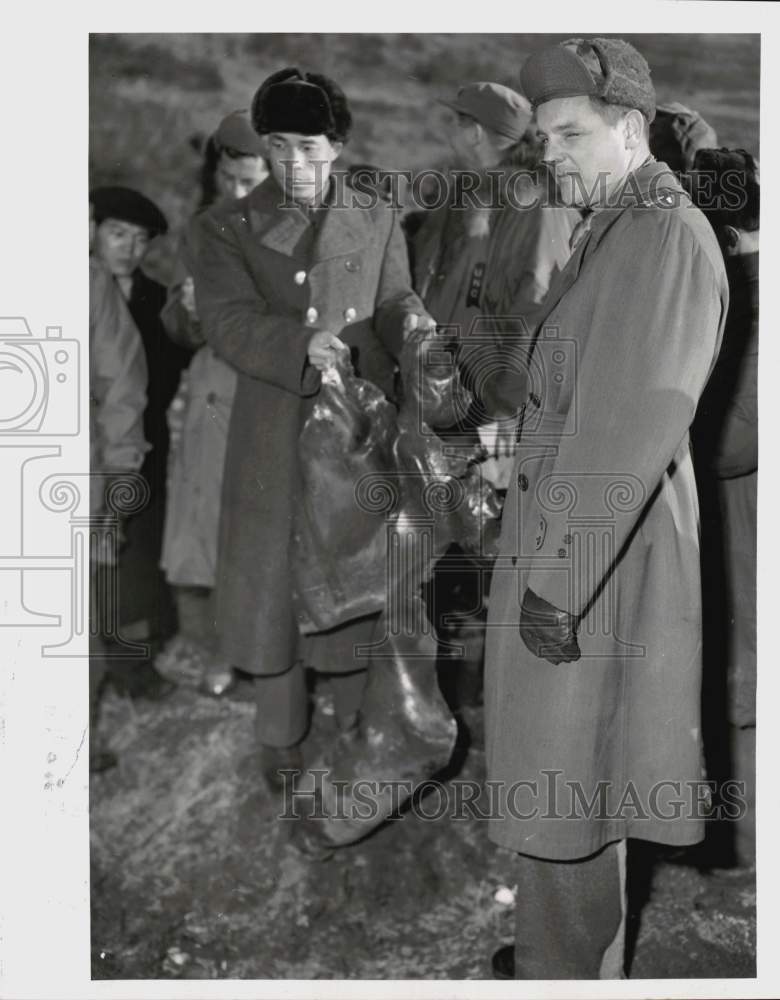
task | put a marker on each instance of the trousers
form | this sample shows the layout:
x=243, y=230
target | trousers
x=282, y=703
x=570, y=916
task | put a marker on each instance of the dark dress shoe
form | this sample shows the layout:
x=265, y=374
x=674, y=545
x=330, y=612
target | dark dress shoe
x=274, y=760
x=503, y=962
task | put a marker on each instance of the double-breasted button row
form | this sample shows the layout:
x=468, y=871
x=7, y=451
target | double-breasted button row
x=350, y=315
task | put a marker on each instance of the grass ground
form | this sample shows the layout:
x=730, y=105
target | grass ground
x=193, y=877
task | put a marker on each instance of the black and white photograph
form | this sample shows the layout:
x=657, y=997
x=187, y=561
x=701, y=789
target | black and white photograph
x=387, y=557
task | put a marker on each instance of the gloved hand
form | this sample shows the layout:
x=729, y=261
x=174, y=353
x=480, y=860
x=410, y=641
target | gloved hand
x=546, y=631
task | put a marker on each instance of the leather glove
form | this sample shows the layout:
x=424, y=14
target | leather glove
x=546, y=631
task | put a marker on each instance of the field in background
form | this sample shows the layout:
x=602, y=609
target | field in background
x=149, y=94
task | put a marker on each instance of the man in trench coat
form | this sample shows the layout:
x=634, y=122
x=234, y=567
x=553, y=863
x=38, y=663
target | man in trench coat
x=284, y=278
x=593, y=655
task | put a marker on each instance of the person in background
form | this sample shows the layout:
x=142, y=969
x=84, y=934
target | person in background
x=487, y=254
x=726, y=452
x=117, y=394
x=488, y=249
x=199, y=416
x=677, y=133
x=126, y=221
x=285, y=278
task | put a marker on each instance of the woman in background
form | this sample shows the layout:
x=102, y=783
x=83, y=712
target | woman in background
x=199, y=417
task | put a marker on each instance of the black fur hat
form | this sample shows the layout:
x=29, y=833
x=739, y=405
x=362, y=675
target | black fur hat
x=725, y=185
x=304, y=103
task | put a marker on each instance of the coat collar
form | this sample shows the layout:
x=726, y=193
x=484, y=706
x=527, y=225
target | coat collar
x=653, y=183
x=342, y=228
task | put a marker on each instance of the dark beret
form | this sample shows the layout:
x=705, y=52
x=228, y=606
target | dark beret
x=303, y=103
x=127, y=205
x=607, y=68
x=235, y=132
x=677, y=133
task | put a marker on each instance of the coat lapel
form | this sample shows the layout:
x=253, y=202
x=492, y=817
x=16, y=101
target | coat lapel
x=343, y=228
x=564, y=279
x=637, y=192
x=275, y=226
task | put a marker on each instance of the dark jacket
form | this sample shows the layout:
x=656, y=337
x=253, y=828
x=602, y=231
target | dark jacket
x=165, y=362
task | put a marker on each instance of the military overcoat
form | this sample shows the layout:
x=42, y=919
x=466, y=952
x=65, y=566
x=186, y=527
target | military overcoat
x=267, y=277
x=601, y=520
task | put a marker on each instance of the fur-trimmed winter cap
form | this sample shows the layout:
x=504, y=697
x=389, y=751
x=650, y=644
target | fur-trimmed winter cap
x=608, y=68
x=725, y=184
x=304, y=103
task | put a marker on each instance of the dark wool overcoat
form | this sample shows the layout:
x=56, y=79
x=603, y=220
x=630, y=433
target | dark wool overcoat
x=267, y=277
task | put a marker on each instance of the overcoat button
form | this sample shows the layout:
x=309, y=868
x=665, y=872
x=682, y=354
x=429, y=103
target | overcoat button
x=562, y=553
x=211, y=398
x=349, y=314
x=299, y=277
x=522, y=481
x=312, y=315
x=352, y=265
x=514, y=560
x=567, y=539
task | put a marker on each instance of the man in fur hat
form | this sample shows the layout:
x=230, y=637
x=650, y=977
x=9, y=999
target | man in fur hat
x=284, y=278
x=593, y=655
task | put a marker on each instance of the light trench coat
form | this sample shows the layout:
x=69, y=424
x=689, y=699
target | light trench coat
x=601, y=520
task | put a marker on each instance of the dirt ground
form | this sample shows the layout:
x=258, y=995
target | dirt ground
x=193, y=877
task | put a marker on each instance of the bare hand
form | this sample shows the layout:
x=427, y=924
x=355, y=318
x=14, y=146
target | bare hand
x=415, y=321
x=499, y=437
x=188, y=297
x=324, y=348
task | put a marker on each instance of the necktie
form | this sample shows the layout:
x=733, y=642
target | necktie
x=581, y=228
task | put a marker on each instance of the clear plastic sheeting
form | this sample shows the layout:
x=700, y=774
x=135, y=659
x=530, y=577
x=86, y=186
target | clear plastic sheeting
x=384, y=498
x=379, y=481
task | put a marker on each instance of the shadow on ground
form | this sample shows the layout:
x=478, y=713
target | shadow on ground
x=193, y=878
